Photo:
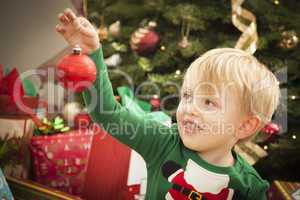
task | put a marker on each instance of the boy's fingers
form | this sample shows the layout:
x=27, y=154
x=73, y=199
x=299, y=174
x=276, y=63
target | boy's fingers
x=70, y=14
x=77, y=25
x=84, y=26
x=63, y=18
x=60, y=29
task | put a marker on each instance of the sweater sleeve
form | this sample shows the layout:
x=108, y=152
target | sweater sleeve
x=259, y=190
x=148, y=137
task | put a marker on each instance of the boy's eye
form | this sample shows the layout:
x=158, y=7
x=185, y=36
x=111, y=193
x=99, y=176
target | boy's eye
x=186, y=95
x=209, y=103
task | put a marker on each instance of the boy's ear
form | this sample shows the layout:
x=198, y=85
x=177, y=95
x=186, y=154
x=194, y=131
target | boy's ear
x=248, y=127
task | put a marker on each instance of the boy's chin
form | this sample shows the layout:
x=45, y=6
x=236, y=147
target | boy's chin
x=192, y=144
x=198, y=143
x=193, y=147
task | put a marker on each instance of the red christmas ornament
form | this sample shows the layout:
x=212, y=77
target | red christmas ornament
x=145, y=40
x=155, y=103
x=82, y=121
x=271, y=129
x=76, y=71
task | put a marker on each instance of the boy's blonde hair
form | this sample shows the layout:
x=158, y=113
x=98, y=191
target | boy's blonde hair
x=256, y=85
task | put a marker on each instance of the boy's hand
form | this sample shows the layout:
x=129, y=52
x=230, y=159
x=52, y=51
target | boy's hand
x=78, y=30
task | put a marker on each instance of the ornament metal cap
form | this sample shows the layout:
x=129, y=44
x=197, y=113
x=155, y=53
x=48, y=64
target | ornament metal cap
x=77, y=50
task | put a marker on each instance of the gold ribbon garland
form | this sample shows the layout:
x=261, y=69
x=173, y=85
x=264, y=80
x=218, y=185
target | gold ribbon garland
x=248, y=39
x=85, y=8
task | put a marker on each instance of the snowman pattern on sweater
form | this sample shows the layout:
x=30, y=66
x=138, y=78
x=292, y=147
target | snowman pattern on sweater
x=196, y=183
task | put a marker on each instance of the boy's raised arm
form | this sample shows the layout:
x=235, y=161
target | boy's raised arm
x=147, y=137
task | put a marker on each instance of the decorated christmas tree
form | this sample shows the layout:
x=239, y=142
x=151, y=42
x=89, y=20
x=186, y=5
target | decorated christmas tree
x=154, y=41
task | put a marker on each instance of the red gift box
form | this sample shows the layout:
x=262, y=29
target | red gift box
x=60, y=161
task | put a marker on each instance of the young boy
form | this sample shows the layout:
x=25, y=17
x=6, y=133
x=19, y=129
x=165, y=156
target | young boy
x=227, y=96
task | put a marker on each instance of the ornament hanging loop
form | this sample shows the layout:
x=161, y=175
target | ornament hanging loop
x=185, y=32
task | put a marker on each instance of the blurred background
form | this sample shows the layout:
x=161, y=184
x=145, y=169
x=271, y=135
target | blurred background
x=185, y=30
x=153, y=42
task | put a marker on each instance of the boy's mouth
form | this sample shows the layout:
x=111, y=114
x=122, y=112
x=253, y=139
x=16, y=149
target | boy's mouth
x=190, y=127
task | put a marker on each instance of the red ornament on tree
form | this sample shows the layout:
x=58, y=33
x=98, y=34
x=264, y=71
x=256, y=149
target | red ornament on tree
x=271, y=129
x=76, y=71
x=145, y=40
x=155, y=102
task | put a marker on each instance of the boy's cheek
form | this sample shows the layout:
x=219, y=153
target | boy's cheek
x=214, y=124
x=179, y=112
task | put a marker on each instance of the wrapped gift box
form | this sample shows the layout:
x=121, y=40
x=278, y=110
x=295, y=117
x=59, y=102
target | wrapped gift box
x=60, y=161
x=283, y=190
x=15, y=134
x=16, y=129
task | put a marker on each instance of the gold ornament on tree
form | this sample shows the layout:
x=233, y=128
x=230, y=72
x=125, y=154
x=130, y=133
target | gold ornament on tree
x=102, y=30
x=185, y=32
x=245, y=21
x=289, y=40
x=85, y=8
x=276, y=2
x=145, y=64
x=115, y=29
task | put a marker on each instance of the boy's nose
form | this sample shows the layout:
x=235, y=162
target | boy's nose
x=190, y=109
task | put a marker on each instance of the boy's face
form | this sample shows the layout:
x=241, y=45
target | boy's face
x=208, y=114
